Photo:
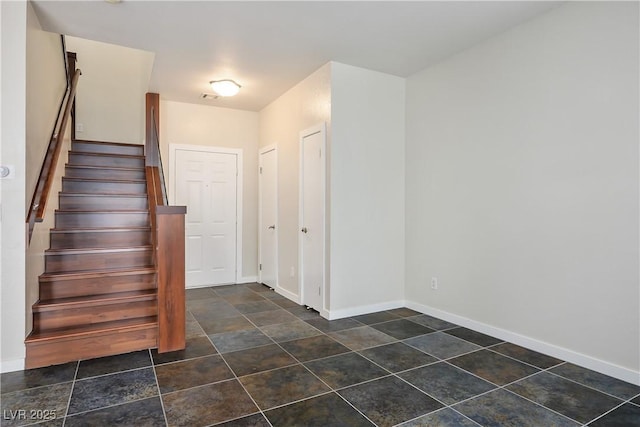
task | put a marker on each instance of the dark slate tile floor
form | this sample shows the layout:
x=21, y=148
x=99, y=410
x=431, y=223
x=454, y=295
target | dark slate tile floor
x=256, y=359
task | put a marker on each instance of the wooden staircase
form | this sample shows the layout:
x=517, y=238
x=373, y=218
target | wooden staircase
x=98, y=294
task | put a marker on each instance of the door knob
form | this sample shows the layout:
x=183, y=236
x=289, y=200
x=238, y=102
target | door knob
x=272, y=227
x=304, y=229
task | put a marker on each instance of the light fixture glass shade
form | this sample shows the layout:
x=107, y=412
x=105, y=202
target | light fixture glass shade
x=225, y=87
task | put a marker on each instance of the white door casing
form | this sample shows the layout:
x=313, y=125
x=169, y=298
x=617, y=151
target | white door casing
x=268, y=217
x=312, y=216
x=208, y=182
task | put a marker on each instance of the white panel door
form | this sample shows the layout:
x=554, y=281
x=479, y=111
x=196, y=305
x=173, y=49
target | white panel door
x=268, y=218
x=312, y=213
x=206, y=184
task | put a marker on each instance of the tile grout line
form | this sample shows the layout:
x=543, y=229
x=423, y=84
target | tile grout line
x=270, y=370
x=446, y=358
x=108, y=374
x=239, y=418
x=487, y=347
x=497, y=386
x=504, y=387
x=606, y=413
x=111, y=406
x=539, y=404
x=235, y=376
x=522, y=361
x=331, y=389
x=174, y=362
x=73, y=384
x=391, y=374
x=155, y=377
x=586, y=385
x=38, y=387
x=437, y=410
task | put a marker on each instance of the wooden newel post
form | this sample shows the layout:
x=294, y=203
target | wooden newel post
x=171, y=277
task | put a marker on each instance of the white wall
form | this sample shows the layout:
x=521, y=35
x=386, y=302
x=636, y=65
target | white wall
x=46, y=84
x=110, y=100
x=193, y=124
x=306, y=104
x=522, y=186
x=13, y=17
x=364, y=113
x=367, y=197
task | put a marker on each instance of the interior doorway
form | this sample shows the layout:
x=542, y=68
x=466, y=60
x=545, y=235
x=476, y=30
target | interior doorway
x=207, y=181
x=268, y=217
x=312, y=216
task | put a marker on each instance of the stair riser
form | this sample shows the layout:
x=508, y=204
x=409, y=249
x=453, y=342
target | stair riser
x=90, y=239
x=84, y=262
x=84, y=219
x=105, y=173
x=88, y=147
x=68, y=288
x=53, y=319
x=73, y=186
x=89, y=203
x=105, y=161
x=88, y=347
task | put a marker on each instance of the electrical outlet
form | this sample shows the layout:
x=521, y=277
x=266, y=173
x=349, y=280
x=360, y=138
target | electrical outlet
x=434, y=283
x=79, y=127
x=7, y=172
x=292, y=273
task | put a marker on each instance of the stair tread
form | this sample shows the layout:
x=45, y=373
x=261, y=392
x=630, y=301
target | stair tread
x=119, y=168
x=98, y=229
x=114, y=180
x=72, y=193
x=88, y=271
x=79, y=251
x=126, y=144
x=127, y=211
x=77, y=194
x=90, y=153
x=88, y=300
x=88, y=274
x=78, y=331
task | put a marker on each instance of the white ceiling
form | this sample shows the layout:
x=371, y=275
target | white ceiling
x=268, y=47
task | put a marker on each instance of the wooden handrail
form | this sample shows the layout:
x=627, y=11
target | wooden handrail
x=151, y=153
x=167, y=237
x=59, y=139
x=47, y=171
x=152, y=140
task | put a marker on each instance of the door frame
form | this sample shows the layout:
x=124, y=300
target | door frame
x=274, y=148
x=322, y=129
x=239, y=187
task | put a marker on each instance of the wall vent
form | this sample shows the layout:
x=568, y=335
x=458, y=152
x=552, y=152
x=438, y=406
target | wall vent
x=209, y=96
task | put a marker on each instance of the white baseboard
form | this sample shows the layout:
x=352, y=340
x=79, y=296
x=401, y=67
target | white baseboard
x=198, y=286
x=246, y=279
x=571, y=356
x=364, y=309
x=325, y=313
x=288, y=294
x=12, y=365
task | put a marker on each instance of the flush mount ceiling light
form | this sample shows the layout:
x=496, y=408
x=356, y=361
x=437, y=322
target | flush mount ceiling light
x=225, y=87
